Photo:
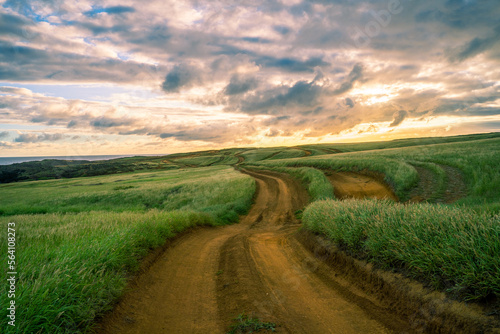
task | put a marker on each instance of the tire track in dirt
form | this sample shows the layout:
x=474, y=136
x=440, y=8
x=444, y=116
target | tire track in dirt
x=455, y=185
x=208, y=277
x=218, y=161
x=427, y=188
x=307, y=153
x=356, y=185
x=241, y=159
x=331, y=150
x=177, y=294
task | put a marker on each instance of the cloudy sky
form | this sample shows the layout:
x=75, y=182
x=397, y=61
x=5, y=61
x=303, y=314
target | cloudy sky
x=117, y=77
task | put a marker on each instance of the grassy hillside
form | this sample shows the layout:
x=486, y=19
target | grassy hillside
x=56, y=169
x=397, y=143
x=72, y=266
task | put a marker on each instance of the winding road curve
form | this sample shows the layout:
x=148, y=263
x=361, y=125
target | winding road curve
x=208, y=277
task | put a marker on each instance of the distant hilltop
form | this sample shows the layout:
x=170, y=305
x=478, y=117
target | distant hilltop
x=15, y=160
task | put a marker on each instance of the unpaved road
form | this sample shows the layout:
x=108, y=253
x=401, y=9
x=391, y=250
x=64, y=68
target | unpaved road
x=208, y=277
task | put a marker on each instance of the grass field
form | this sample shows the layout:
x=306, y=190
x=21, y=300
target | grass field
x=72, y=266
x=54, y=169
x=167, y=190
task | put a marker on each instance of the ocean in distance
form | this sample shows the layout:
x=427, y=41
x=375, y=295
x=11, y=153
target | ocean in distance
x=15, y=160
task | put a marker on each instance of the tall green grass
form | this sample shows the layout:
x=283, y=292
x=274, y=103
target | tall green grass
x=73, y=266
x=453, y=248
x=316, y=150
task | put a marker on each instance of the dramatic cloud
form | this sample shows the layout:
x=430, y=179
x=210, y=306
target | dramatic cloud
x=184, y=75
x=477, y=46
x=349, y=102
x=302, y=93
x=239, y=85
x=180, y=76
x=106, y=122
x=34, y=138
x=290, y=64
x=399, y=117
x=355, y=75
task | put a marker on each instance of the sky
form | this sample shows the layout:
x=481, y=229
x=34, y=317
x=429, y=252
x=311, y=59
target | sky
x=155, y=77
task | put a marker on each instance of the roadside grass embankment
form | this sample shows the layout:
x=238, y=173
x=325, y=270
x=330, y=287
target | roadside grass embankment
x=453, y=249
x=73, y=266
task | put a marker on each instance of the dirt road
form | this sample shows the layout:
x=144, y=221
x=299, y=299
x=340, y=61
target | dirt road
x=208, y=277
